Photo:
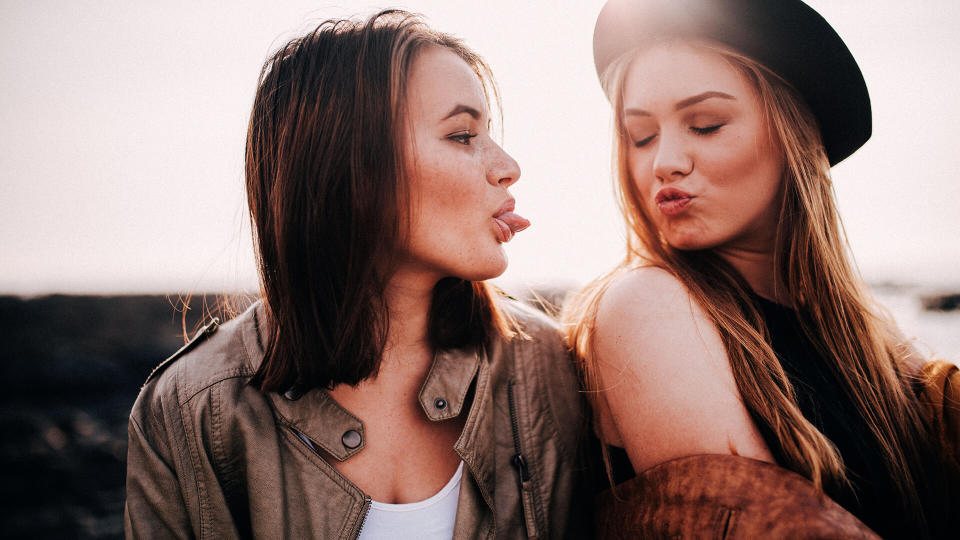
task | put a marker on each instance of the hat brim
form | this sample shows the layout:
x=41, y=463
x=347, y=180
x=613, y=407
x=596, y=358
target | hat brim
x=786, y=36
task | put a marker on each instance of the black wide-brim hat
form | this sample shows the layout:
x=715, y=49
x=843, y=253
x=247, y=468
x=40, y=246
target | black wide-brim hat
x=787, y=36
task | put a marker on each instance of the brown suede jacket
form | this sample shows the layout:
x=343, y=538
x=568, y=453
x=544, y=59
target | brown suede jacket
x=940, y=396
x=727, y=497
x=211, y=457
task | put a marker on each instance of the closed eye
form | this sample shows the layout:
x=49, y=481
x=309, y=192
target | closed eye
x=645, y=141
x=706, y=130
x=462, y=137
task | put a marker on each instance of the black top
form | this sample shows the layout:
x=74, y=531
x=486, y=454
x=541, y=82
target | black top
x=872, y=495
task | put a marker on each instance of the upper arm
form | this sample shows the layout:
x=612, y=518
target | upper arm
x=666, y=386
x=154, y=505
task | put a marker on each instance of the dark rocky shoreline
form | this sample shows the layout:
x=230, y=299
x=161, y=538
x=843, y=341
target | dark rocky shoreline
x=72, y=367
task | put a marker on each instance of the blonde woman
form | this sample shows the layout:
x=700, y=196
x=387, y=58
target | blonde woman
x=735, y=356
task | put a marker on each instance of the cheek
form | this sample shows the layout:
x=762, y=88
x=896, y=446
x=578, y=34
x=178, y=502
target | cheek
x=447, y=197
x=745, y=170
x=448, y=202
x=641, y=177
x=749, y=189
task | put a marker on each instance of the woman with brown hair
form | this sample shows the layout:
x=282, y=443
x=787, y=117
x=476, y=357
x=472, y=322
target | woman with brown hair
x=379, y=388
x=735, y=356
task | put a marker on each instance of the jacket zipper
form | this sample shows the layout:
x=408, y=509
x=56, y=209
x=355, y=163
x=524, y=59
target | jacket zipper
x=520, y=463
x=366, y=498
x=366, y=512
x=518, y=460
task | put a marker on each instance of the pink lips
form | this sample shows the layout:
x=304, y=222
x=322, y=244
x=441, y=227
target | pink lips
x=509, y=223
x=672, y=201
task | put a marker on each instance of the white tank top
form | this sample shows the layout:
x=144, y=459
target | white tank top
x=428, y=519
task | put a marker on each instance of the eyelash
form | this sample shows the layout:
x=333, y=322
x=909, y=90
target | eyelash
x=462, y=138
x=706, y=130
x=698, y=130
x=643, y=142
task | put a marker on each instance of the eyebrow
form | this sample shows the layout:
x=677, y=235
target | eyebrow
x=460, y=109
x=683, y=103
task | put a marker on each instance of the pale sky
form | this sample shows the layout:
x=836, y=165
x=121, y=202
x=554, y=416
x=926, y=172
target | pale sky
x=122, y=126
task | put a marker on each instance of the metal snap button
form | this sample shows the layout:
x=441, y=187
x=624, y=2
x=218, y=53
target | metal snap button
x=351, y=439
x=440, y=403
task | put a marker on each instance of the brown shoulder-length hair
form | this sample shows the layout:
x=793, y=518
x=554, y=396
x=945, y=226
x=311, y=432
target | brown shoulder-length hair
x=325, y=178
x=812, y=266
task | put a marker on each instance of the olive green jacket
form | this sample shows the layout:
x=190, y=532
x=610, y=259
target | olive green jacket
x=211, y=457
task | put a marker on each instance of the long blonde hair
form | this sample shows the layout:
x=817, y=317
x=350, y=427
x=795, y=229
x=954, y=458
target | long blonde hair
x=813, y=266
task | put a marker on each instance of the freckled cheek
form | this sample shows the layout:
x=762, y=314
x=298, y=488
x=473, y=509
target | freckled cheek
x=448, y=196
x=452, y=209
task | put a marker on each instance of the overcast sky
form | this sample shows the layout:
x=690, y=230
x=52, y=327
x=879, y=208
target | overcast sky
x=122, y=126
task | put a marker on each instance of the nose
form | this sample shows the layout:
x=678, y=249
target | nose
x=673, y=161
x=503, y=169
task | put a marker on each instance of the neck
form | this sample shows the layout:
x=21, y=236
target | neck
x=756, y=267
x=408, y=296
x=407, y=356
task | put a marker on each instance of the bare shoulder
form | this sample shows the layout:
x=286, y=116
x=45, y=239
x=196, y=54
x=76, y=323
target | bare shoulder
x=648, y=305
x=666, y=383
x=647, y=280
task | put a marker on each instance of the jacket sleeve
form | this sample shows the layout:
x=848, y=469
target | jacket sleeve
x=155, y=505
x=722, y=496
x=940, y=398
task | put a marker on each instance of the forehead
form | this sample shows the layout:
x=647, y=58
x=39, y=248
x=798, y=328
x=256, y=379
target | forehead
x=440, y=80
x=668, y=72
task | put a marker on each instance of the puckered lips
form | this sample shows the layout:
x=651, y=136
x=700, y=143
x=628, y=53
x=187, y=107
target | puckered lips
x=508, y=223
x=672, y=201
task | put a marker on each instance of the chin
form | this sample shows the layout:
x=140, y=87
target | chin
x=687, y=246
x=691, y=237
x=483, y=274
x=688, y=242
x=483, y=270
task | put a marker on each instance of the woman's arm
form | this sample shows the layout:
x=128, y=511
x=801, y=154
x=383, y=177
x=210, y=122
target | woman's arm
x=666, y=386
x=727, y=497
x=154, y=507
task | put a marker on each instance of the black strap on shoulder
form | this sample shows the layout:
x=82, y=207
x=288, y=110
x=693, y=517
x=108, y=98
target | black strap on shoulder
x=206, y=331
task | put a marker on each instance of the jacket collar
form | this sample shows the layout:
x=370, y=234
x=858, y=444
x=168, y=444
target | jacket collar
x=319, y=418
x=445, y=387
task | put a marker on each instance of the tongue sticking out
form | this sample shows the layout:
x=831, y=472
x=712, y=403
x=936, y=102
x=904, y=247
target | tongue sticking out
x=511, y=223
x=516, y=222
